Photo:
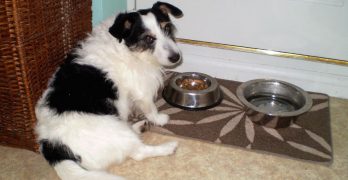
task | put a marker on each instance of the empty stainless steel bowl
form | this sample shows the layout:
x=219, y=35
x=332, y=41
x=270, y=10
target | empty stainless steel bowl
x=192, y=91
x=273, y=103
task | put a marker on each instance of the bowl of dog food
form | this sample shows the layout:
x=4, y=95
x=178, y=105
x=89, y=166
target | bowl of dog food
x=273, y=103
x=192, y=91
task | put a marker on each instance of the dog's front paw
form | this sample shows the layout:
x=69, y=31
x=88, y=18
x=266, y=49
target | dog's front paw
x=161, y=119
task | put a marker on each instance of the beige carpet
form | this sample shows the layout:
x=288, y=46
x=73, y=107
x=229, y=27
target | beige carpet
x=200, y=160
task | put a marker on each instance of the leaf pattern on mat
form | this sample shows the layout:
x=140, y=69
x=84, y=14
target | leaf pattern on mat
x=231, y=104
x=249, y=129
x=217, y=140
x=248, y=124
x=230, y=94
x=223, y=108
x=170, y=111
x=318, y=96
x=309, y=150
x=216, y=117
x=319, y=140
x=231, y=124
x=180, y=122
x=320, y=106
x=273, y=133
x=293, y=125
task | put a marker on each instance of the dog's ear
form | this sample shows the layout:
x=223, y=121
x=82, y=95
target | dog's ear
x=123, y=25
x=166, y=8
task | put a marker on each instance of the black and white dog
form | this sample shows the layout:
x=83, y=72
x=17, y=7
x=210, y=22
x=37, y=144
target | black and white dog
x=82, y=116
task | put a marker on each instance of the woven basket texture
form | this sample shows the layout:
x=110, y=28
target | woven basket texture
x=35, y=37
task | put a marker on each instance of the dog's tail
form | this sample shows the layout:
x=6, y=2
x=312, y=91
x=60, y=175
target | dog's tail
x=70, y=170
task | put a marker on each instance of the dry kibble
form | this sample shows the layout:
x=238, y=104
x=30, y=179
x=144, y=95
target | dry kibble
x=193, y=84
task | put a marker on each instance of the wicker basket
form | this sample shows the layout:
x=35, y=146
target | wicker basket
x=35, y=37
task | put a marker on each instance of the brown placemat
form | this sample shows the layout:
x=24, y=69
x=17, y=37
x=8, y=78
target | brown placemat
x=309, y=138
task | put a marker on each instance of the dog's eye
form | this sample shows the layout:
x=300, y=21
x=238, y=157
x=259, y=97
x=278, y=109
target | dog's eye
x=149, y=39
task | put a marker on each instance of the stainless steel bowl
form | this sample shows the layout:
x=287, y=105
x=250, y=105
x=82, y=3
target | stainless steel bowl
x=273, y=103
x=192, y=91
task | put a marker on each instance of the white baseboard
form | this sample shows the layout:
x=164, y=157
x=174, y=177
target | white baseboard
x=240, y=66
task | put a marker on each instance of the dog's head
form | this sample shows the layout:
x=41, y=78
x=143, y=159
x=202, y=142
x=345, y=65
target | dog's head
x=150, y=30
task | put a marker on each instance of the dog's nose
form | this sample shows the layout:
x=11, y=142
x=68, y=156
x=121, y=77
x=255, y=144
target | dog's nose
x=174, y=58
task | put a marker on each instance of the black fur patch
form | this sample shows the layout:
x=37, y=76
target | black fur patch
x=167, y=8
x=55, y=152
x=161, y=10
x=130, y=28
x=82, y=88
x=127, y=26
